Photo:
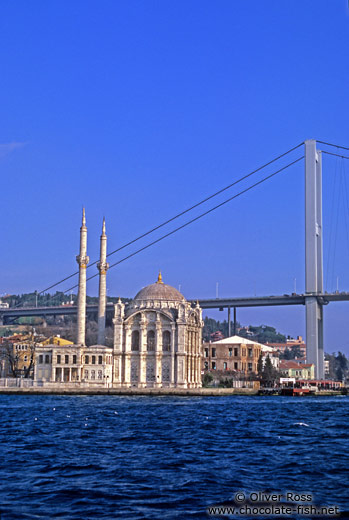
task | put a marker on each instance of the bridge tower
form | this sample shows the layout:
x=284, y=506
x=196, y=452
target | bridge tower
x=314, y=257
x=82, y=259
x=102, y=267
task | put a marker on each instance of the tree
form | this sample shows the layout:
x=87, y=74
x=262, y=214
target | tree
x=206, y=380
x=287, y=354
x=15, y=359
x=269, y=374
x=296, y=352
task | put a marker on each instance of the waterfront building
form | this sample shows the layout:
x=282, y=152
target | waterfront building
x=232, y=354
x=73, y=364
x=294, y=369
x=157, y=338
x=17, y=355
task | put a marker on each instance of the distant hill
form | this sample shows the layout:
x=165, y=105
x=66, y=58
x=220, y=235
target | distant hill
x=48, y=300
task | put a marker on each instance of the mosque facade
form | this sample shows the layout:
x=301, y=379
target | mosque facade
x=157, y=338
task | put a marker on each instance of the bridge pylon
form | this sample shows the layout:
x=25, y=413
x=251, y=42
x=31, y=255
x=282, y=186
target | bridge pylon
x=314, y=257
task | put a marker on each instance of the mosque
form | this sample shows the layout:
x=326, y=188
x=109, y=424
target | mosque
x=157, y=338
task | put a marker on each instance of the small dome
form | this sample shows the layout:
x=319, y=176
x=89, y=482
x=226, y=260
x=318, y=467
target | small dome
x=159, y=291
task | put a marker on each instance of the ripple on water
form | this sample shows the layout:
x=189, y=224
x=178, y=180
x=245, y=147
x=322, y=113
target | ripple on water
x=164, y=458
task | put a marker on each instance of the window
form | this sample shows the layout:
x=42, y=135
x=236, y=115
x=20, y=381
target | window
x=87, y=360
x=47, y=358
x=206, y=365
x=206, y=352
x=225, y=366
x=150, y=340
x=166, y=341
x=135, y=341
x=93, y=360
x=100, y=374
x=41, y=359
x=66, y=359
x=93, y=374
x=230, y=352
x=86, y=374
x=213, y=365
x=58, y=359
x=74, y=359
x=25, y=358
x=236, y=365
x=100, y=360
x=213, y=352
x=250, y=352
x=24, y=368
x=250, y=367
x=236, y=352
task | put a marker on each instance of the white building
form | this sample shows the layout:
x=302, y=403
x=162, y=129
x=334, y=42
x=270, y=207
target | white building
x=157, y=338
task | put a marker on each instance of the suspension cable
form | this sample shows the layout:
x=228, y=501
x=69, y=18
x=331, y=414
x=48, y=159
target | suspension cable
x=179, y=214
x=335, y=154
x=195, y=219
x=334, y=145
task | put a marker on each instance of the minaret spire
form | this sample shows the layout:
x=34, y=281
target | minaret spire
x=82, y=259
x=102, y=267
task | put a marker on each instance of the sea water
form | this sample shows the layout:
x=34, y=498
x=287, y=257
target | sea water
x=87, y=457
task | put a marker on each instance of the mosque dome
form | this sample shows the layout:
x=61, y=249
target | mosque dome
x=159, y=291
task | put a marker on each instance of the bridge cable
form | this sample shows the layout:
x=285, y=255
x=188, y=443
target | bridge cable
x=335, y=154
x=194, y=219
x=334, y=145
x=178, y=215
x=346, y=205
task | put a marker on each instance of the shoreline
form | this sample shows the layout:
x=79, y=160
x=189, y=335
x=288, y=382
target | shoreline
x=194, y=392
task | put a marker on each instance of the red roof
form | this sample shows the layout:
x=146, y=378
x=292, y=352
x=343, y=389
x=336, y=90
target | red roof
x=285, y=363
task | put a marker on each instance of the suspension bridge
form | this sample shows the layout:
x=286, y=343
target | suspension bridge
x=313, y=299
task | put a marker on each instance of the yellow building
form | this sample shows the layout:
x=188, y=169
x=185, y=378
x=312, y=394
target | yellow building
x=17, y=356
x=297, y=370
x=56, y=340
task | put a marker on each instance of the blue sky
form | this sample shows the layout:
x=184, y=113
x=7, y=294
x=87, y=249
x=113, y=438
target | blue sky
x=138, y=109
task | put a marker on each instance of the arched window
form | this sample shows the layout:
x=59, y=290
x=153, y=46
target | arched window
x=87, y=360
x=93, y=360
x=150, y=340
x=135, y=340
x=100, y=360
x=166, y=341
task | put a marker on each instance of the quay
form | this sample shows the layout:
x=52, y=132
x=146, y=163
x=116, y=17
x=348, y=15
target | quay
x=184, y=392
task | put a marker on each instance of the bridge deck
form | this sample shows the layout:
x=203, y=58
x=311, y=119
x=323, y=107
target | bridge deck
x=216, y=303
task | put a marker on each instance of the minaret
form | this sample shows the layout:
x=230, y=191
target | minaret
x=102, y=267
x=82, y=259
